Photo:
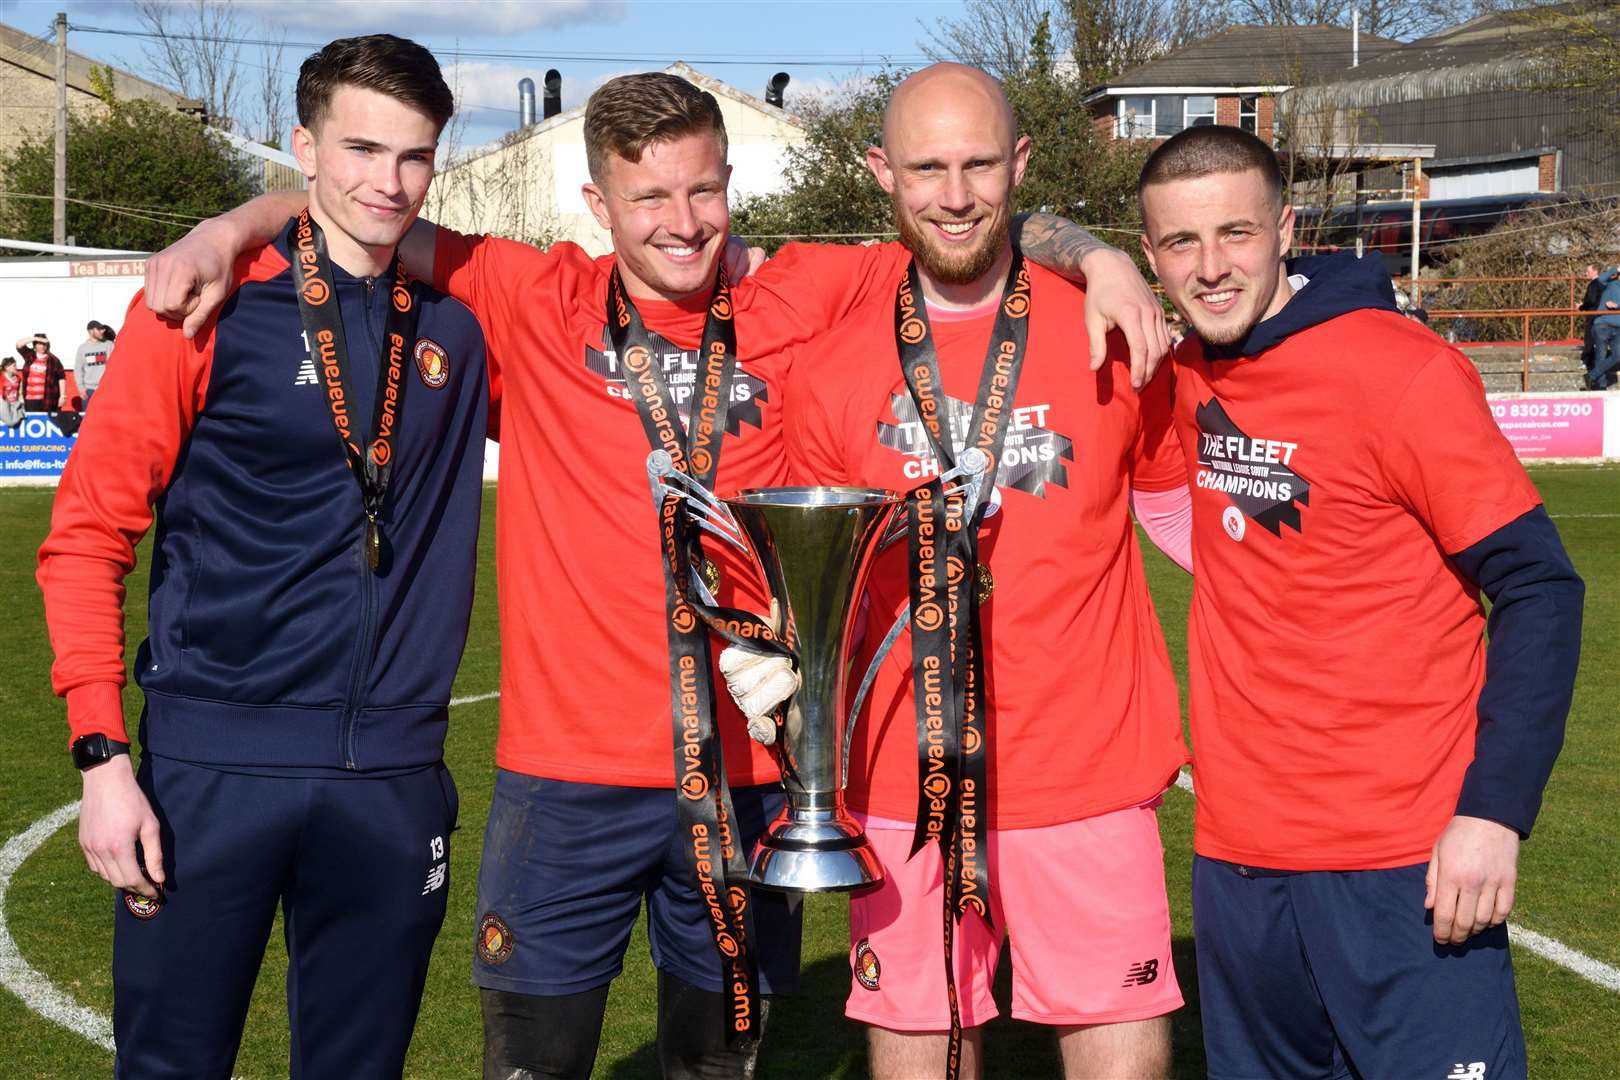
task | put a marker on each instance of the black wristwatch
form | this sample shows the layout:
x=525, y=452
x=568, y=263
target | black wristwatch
x=93, y=749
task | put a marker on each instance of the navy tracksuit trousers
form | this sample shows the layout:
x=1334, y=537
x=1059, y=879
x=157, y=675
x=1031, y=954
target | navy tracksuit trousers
x=360, y=867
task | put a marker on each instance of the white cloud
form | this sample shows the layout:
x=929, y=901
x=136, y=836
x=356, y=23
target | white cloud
x=424, y=18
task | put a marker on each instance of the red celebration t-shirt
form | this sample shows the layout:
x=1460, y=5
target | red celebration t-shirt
x=1082, y=716
x=584, y=654
x=1335, y=656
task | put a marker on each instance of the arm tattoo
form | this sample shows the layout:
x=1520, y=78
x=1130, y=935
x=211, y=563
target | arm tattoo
x=1056, y=243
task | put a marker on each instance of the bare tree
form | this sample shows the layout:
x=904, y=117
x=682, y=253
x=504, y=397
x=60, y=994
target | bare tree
x=1402, y=20
x=993, y=34
x=194, y=47
x=1100, y=38
x=273, y=93
x=1322, y=146
x=1110, y=36
x=504, y=190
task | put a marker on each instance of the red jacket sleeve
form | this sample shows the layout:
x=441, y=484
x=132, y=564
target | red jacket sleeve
x=121, y=464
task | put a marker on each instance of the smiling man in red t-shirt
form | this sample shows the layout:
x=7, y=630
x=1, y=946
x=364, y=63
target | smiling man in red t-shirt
x=1363, y=783
x=1080, y=724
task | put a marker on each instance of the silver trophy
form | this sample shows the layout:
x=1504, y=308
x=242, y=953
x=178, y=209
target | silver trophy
x=814, y=547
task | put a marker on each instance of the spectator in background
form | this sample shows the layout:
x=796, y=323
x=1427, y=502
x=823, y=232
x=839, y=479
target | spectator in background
x=1589, y=302
x=11, y=386
x=91, y=360
x=43, y=376
x=1606, y=333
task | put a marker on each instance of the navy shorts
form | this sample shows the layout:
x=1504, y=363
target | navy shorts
x=360, y=868
x=566, y=867
x=1337, y=974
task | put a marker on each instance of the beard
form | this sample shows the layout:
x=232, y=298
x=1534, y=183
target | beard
x=1215, y=334
x=949, y=267
x=1235, y=325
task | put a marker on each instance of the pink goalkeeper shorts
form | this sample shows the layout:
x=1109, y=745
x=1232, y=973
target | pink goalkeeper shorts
x=1083, y=902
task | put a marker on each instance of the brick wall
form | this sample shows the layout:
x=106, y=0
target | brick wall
x=1226, y=111
x=1547, y=174
x=30, y=104
x=1103, y=121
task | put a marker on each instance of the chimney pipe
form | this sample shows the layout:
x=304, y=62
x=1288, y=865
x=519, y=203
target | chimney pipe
x=525, y=102
x=774, y=88
x=553, y=100
x=1355, y=39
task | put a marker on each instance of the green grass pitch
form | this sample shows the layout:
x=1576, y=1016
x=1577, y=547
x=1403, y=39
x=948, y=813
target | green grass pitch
x=60, y=916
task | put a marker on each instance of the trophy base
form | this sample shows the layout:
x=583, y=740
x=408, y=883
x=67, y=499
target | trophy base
x=814, y=851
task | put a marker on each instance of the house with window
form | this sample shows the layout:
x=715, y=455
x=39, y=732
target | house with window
x=1233, y=78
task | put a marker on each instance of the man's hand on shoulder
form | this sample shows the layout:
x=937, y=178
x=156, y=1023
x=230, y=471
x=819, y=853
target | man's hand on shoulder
x=113, y=816
x=1117, y=297
x=1472, y=872
x=191, y=277
x=742, y=260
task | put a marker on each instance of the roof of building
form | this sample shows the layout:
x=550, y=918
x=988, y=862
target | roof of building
x=1488, y=39
x=38, y=55
x=1508, y=50
x=1255, y=56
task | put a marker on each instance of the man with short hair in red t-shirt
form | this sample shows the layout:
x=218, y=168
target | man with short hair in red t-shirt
x=1362, y=784
x=582, y=826
x=1080, y=731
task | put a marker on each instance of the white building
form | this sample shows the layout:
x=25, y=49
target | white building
x=527, y=185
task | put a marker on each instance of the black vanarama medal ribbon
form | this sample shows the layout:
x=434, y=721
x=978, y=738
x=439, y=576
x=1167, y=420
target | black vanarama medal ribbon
x=947, y=654
x=373, y=467
x=705, y=815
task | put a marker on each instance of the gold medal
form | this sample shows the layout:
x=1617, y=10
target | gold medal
x=373, y=543
x=711, y=576
x=986, y=583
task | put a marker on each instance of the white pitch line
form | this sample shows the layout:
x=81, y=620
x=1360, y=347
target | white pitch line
x=1593, y=971
x=16, y=975
x=36, y=991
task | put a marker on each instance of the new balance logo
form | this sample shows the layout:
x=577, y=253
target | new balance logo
x=435, y=878
x=1474, y=1070
x=306, y=373
x=1142, y=974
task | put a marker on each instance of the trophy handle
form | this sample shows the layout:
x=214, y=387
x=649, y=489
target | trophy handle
x=707, y=512
x=878, y=657
x=968, y=477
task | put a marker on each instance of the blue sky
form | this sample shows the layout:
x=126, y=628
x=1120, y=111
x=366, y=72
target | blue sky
x=820, y=44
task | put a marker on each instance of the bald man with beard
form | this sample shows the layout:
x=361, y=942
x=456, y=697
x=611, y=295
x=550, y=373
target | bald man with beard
x=1061, y=767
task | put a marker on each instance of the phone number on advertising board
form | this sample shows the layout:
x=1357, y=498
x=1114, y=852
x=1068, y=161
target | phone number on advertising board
x=1539, y=409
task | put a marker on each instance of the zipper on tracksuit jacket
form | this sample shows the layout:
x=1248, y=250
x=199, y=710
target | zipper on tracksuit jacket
x=360, y=670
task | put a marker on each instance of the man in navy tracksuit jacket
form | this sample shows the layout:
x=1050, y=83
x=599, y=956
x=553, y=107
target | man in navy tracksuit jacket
x=311, y=584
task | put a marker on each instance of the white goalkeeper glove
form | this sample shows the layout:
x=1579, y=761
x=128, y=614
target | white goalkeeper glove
x=758, y=683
